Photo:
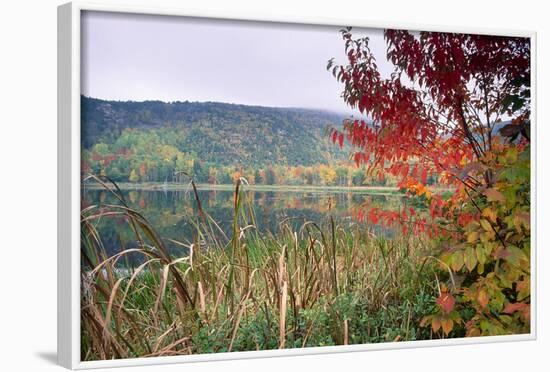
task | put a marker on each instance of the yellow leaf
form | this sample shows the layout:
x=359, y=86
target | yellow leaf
x=473, y=332
x=447, y=325
x=486, y=225
x=490, y=213
x=491, y=234
x=483, y=298
x=436, y=324
x=480, y=268
x=472, y=237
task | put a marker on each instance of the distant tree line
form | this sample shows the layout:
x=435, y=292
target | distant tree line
x=147, y=161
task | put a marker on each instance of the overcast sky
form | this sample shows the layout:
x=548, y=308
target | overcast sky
x=142, y=57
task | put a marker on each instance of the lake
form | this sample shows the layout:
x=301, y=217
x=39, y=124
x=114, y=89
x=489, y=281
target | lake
x=171, y=211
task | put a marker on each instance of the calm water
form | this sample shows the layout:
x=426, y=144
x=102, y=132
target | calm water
x=170, y=212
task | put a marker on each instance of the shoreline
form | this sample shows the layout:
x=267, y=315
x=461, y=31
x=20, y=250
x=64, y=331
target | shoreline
x=160, y=186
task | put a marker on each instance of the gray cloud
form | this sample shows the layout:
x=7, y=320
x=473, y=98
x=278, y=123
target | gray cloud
x=144, y=57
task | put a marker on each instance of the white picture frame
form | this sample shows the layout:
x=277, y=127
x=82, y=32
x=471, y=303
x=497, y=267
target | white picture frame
x=68, y=256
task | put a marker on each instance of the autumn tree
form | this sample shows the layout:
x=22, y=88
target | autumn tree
x=456, y=106
x=327, y=174
x=133, y=176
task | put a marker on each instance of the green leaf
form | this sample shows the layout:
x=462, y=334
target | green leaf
x=457, y=261
x=480, y=254
x=470, y=258
x=505, y=282
x=515, y=256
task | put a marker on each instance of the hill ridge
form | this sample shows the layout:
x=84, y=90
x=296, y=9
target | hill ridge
x=222, y=134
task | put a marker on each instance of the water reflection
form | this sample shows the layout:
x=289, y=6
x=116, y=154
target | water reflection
x=173, y=213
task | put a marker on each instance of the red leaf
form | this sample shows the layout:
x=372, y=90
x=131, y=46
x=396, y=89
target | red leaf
x=494, y=195
x=373, y=216
x=446, y=301
x=512, y=308
x=424, y=175
x=357, y=158
x=334, y=135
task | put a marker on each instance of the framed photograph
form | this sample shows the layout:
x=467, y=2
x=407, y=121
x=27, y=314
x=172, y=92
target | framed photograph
x=233, y=186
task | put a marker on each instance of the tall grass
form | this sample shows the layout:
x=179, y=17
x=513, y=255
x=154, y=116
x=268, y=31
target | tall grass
x=327, y=284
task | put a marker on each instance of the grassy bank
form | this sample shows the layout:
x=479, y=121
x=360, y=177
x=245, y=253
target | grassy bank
x=318, y=285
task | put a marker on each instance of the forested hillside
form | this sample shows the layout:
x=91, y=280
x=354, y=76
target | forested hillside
x=212, y=132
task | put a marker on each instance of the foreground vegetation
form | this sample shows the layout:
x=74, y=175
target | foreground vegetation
x=458, y=267
x=322, y=285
